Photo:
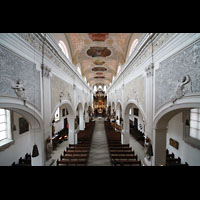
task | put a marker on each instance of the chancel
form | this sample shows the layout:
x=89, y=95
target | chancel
x=99, y=99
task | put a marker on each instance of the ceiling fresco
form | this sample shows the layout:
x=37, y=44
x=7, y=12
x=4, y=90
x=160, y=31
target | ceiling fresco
x=98, y=52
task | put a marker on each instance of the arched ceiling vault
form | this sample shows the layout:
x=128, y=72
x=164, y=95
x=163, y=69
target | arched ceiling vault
x=99, y=54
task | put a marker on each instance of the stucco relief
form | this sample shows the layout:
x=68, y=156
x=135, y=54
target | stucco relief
x=171, y=82
x=60, y=90
x=34, y=41
x=135, y=90
x=19, y=78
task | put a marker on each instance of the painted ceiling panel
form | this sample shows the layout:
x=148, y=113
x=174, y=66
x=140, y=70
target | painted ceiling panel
x=99, y=54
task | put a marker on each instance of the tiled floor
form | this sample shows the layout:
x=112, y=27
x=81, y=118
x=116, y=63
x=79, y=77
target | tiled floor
x=99, y=153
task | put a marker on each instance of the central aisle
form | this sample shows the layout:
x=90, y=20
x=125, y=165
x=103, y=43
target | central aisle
x=99, y=153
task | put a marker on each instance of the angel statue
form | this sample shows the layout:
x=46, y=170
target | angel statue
x=20, y=90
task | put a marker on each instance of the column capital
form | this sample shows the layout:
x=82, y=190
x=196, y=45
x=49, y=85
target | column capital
x=149, y=69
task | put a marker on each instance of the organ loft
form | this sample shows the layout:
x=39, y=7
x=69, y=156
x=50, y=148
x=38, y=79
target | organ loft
x=99, y=99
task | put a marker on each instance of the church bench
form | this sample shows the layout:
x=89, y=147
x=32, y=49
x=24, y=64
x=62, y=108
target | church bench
x=74, y=156
x=75, y=146
x=75, y=153
x=114, y=141
x=120, y=148
x=70, y=163
x=118, y=145
x=126, y=157
x=122, y=152
x=173, y=161
x=24, y=161
x=126, y=163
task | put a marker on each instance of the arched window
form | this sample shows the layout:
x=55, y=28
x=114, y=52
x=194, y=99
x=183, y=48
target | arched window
x=63, y=48
x=5, y=128
x=95, y=88
x=57, y=114
x=79, y=70
x=119, y=68
x=195, y=123
x=104, y=88
x=133, y=46
x=4, y=124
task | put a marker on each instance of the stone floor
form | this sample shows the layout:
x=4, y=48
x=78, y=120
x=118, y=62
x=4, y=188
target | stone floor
x=56, y=153
x=99, y=153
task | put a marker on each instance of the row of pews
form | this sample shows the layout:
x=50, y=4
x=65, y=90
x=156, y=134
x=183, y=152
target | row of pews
x=172, y=161
x=137, y=134
x=120, y=154
x=26, y=161
x=59, y=137
x=77, y=154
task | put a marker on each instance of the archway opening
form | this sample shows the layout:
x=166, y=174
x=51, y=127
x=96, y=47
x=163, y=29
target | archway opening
x=62, y=123
x=174, y=140
x=20, y=130
x=134, y=123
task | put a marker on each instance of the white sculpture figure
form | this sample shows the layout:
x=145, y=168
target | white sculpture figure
x=49, y=148
x=136, y=95
x=179, y=91
x=20, y=90
x=61, y=95
x=69, y=97
x=148, y=148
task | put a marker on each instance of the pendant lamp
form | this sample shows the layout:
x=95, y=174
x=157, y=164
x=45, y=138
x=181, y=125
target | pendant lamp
x=35, y=151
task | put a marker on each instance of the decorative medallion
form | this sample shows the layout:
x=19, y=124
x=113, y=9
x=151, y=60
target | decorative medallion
x=102, y=69
x=98, y=62
x=99, y=73
x=99, y=77
x=98, y=52
x=101, y=37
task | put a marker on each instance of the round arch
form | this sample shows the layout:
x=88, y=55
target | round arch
x=160, y=124
x=126, y=126
x=36, y=131
x=28, y=111
x=113, y=107
x=70, y=118
x=118, y=111
x=80, y=109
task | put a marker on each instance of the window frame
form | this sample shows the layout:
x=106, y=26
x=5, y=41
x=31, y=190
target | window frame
x=63, y=47
x=59, y=115
x=186, y=131
x=8, y=140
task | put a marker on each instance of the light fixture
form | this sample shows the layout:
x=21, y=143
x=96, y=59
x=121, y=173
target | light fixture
x=35, y=151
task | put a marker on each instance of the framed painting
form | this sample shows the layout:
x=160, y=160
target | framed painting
x=23, y=125
x=173, y=143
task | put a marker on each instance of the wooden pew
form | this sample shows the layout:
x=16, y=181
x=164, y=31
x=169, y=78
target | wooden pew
x=126, y=157
x=126, y=163
x=121, y=148
x=70, y=163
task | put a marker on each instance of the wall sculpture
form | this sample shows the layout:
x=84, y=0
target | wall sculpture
x=60, y=90
x=178, y=76
x=135, y=89
x=19, y=78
